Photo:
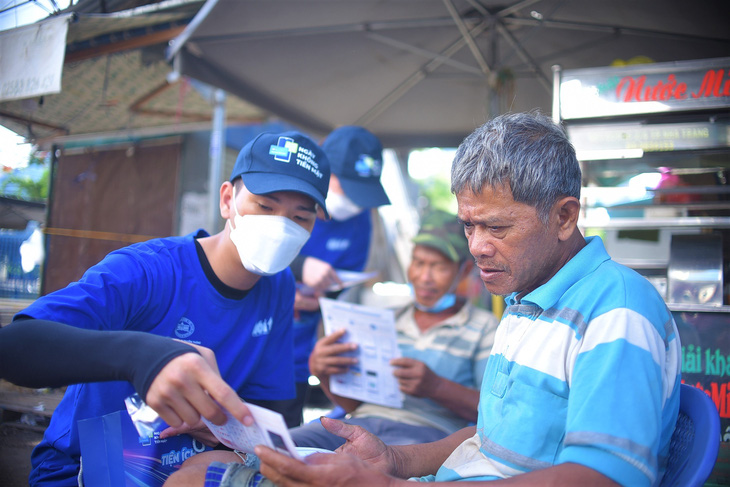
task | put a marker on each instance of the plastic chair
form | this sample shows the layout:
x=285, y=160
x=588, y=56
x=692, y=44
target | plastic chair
x=695, y=442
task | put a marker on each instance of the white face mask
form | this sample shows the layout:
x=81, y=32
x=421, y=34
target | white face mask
x=266, y=244
x=340, y=207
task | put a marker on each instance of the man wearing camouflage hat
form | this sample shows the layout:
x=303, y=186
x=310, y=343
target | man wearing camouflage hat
x=444, y=343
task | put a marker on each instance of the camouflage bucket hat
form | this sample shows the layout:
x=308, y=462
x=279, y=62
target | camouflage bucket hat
x=443, y=232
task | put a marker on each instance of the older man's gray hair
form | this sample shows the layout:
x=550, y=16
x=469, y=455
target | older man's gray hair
x=528, y=151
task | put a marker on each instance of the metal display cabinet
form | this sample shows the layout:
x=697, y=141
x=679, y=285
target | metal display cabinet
x=654, y=145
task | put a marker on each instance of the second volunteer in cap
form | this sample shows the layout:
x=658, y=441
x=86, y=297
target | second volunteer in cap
x=343, y=242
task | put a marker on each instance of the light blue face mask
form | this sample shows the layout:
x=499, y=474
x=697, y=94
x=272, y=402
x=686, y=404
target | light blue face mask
x=444, y=302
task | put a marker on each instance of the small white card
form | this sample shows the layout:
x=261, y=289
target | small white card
x=268, y=429
x=373, y=329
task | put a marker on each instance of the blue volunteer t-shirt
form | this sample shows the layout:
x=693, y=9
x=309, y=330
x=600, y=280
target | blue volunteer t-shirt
x=344, y=245
x=160, y=287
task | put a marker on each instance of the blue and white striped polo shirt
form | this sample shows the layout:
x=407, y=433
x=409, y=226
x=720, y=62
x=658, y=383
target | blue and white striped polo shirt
x=584, y=369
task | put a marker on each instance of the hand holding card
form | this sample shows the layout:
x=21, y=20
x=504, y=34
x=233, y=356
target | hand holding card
x=268, y=429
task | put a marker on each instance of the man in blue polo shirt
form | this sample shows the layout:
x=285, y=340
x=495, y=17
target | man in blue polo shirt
x=231, y=292
x=582, y=385
x=341, y=243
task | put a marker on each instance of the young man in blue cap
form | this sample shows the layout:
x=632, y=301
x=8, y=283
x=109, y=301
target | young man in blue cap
x=341, y=243
x=230, y=292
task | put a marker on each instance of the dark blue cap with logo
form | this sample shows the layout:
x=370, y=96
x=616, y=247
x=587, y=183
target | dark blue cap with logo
x=289, y=161
x=356, y=157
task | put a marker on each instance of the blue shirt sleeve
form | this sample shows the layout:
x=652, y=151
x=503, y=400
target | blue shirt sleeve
x=107, y=297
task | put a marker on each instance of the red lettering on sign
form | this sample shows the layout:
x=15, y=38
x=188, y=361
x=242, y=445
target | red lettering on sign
x=661, y=91
x=630, y=89
x=720, y=399
x=719, y=395
x=712, y=85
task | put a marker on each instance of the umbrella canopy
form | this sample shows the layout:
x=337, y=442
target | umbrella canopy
x=427, y=72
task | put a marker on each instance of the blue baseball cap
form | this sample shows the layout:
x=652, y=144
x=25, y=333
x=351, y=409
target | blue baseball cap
x=356, y=157
x=289, y=161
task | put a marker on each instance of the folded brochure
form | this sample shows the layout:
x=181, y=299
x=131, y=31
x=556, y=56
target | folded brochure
x=371, y=379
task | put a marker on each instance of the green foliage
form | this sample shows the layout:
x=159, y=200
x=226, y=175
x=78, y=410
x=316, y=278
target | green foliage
x=36, y=159
x=25, y=188
x=27, y=184
x=438, y=193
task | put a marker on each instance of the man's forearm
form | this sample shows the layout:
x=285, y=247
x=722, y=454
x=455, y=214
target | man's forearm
x=35, y=353
x=346, y=403
x=426, y=458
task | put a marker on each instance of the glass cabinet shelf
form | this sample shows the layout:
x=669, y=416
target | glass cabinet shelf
x=698, y=308
x=665, y=222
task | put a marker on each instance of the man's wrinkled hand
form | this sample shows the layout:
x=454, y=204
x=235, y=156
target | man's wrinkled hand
x=362, y=444
x=319, y=470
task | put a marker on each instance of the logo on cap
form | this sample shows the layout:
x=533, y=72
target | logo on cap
x=367, y=166
x=283, y=149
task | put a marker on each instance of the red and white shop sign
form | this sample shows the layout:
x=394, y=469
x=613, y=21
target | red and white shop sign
x=645, y=88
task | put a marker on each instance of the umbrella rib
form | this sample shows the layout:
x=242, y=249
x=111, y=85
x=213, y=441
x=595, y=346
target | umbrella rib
x=500, y=27
x=324, y=29
x=524, y=55
x=467, y=37
x=400, y=90
x=514, y=8
x=389, y=41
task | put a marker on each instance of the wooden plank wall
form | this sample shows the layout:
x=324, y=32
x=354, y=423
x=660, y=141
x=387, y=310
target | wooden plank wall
x=103, y=199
